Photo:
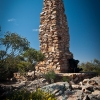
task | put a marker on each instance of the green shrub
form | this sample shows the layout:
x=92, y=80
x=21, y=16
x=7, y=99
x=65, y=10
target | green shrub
x=26, y=95
x=65, y=79
x=19, y=95
x=93, y=66
x=50, y=76
x=97, y=70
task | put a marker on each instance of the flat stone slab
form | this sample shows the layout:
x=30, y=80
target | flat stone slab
x=81, y=73
x=77, y=77
x=52, y=87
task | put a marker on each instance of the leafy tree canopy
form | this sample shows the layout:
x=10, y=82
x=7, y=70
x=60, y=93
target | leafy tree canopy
x=17, y=55
x=14, y=43
x=33, y=55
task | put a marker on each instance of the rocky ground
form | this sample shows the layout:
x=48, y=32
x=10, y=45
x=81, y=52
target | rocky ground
x=7, y=88
x=88, y=89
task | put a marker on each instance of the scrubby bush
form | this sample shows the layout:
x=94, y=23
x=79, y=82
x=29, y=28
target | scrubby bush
x=65, y=79
x=26, y=95
x=50, y=76
x=93, y=66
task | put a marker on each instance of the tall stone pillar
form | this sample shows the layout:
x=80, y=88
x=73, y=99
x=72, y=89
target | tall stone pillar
x=54, y=37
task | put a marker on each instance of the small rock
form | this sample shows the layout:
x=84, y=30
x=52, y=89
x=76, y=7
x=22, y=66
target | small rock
x=87, y=91
x=58, y=93
x=93, y=82
x=85, y=81
x=76, y=80
x=96, y=92
x=76, y=87
x=86, y=98
x=98, y=97
x=71, y=82
x=94, y=98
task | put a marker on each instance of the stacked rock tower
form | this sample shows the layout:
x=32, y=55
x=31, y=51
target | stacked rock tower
x=54, y=37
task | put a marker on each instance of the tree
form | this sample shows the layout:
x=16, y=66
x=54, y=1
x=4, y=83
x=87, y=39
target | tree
x=3, y=55
x=93, y=66
x=33, y=56
x=96, y=62
x=14, y=43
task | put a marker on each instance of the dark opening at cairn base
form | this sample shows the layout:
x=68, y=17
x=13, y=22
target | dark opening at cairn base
x=73, y=66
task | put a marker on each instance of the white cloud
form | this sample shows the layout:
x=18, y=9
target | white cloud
x=11, y=20
x=35, y=30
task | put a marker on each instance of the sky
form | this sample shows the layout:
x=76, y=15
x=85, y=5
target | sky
x=83, y=16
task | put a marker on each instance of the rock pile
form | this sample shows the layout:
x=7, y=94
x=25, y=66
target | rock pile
x=27, y=77
x=18, y=77
x=54, y=37
x=88, y=89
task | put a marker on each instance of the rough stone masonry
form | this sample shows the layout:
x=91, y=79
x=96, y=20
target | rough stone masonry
x=54, y=37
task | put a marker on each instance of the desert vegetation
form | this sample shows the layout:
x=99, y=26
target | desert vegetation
x=16, y=55
x=26, y=95
x=93, y=66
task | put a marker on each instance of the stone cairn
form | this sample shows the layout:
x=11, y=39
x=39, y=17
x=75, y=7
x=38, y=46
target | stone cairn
x=54, y=37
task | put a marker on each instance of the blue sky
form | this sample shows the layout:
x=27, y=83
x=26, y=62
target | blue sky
x=23, y=17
